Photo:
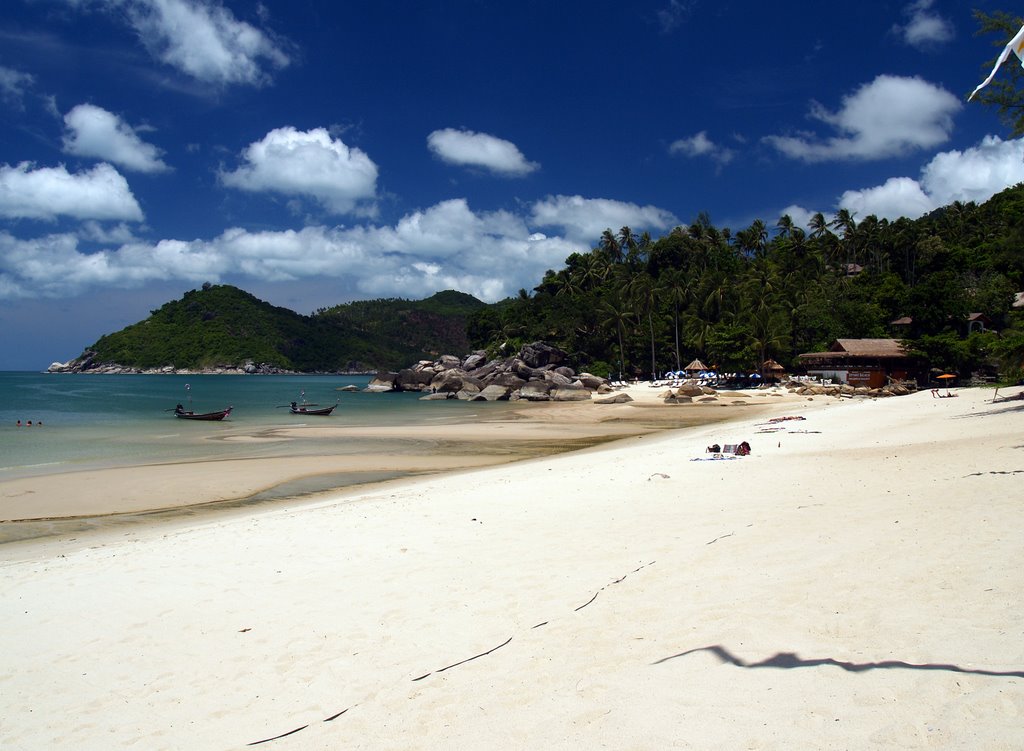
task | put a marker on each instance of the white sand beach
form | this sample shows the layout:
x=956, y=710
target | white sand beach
x=853, y=583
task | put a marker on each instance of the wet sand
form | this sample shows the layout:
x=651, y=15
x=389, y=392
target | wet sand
x=78, y=501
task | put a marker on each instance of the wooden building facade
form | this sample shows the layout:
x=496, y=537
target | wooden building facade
x=864, y=362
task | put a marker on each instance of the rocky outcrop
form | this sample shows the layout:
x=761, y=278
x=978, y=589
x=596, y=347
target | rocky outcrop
x=538, y=372
x=846, y=391
x=87, y=363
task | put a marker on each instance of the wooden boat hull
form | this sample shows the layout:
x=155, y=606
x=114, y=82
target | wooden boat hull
x=205, y=416
x=317, y=411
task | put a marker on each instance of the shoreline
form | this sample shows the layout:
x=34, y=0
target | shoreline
x=853, y=583
x=78, y=500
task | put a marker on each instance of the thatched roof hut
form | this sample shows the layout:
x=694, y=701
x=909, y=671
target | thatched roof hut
x=696, y=366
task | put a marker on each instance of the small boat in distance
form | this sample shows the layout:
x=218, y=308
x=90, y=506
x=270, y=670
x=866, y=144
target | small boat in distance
x=309, y=409
x=184, y=414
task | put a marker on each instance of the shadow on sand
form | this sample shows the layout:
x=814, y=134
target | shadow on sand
x=791, y=660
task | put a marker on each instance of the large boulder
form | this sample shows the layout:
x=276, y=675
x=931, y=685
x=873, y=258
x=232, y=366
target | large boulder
x=539, y=354
x=535, y=391
x=488, y=370
x=620, y=398
x=448, y=362
x=570, y=394
x=492, y=393
x=468, y=392
x=474, y=361
x=511, y=380
x=524, y=370
x=411, y=379
x=453, y=381
x=557, y=378
x=381, y=383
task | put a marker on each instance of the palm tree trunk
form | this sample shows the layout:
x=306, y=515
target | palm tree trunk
x=676, y=321
x=650, y=322
x=622, y=365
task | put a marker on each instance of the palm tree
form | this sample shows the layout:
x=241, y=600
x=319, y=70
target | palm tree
x=843, y=221
x=591, y=271
x=640, y=290
x=567, y=285
x=769, y=332
x=761, y=284
x=677, y=288
x=611, y=246
x=759, y=235
x=819, y=226
x=627, y=240
x=616, y=314
x=785, y=226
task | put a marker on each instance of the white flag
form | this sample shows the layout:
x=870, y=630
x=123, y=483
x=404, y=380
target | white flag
x=1016, y=46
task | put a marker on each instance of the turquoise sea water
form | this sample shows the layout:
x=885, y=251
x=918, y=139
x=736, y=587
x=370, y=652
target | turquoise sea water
x=91, y=421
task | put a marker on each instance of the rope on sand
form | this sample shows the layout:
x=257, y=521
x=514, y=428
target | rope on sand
x=462, y=662
x=276, y=737
x=476, y=657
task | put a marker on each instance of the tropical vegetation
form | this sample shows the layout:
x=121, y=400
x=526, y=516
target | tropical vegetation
x=640, y=306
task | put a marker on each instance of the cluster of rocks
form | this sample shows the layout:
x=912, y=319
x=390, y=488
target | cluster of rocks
x=87, y=364
x=845, y=390
x=539, y=372
x=688, y=393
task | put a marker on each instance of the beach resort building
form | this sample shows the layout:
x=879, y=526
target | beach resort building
x=864, y=362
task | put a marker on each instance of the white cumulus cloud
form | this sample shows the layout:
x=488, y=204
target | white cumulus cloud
x=445, y=246
x=896, y=197
x=308, y=164
x=203, y=39
x=48, y=192
x=584, y=219
x=890, y=116
x=974, y=174
x=469, y=149
x=924, y=27
x=94, y=132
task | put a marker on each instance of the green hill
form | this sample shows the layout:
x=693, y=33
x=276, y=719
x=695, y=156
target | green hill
x=221, y=325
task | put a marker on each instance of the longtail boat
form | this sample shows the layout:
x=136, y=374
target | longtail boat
x=184, y=414
x=309, y=409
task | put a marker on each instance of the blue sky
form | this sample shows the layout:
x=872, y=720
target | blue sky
x=315, y=152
